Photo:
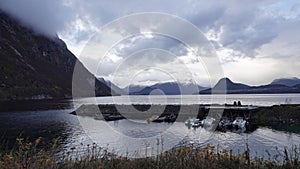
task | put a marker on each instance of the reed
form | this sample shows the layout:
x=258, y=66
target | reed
x=27, y=155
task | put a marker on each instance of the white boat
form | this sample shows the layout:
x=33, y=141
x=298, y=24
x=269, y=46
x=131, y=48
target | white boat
x=152, y=118
x=192, y=122
x=239, y=123
x=207, y=122
x=196, y=123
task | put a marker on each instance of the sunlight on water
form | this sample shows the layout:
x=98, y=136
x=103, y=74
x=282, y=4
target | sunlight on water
x=246, y=99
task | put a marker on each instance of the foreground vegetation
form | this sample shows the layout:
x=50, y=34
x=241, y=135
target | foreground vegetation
x=28, y=155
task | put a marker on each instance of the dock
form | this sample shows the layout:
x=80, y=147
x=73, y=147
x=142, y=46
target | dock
x=182, y=112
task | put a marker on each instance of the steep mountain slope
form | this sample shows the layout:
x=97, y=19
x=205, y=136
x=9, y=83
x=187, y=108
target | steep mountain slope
x=111, y=85
x=33, y=66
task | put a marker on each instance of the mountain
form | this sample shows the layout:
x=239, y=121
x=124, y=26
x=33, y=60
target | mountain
x=286, y=81
x=229, y=85
x=238, y=88
x=131, y=89
x=109, y=84
x=225, y=85
x=170, y=88
x=33, y=66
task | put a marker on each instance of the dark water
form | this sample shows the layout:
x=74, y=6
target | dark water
x=134, y=137
x=49, y=125
x=131, y=136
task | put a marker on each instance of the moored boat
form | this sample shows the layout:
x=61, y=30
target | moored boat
x=239, y=123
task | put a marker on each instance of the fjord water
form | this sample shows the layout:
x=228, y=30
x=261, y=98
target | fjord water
x=51, y=124
x=246, y=99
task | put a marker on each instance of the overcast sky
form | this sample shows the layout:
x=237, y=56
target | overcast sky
x=256, y=41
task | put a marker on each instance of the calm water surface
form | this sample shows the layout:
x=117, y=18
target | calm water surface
x=132, y=136
x=246, y=99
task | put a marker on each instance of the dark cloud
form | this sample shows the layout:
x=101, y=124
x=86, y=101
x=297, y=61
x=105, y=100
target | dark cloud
x=240, y=29
x=46, y=17
x=141, y=42
x=244, y=25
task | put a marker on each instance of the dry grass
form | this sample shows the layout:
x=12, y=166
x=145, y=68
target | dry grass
x=26, y=156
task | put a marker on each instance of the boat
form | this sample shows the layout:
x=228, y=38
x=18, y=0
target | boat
x=152, y=118
x=188, y=122
x=159, y=119
x=225, y=124
x=171, y=118
x=239, y=123
x=113, y=117
x=207, y=122
x=192, y=122
x=196, y=123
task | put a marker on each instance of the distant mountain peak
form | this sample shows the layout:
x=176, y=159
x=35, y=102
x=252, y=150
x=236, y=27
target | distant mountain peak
x=225, y=79
x=287, y=78
x=225, y=85
x=290, y=81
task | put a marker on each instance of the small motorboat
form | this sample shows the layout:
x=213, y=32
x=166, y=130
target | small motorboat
x=188, y=122
x=207, y=122
x=152, y=118
x=225, y=124
x=196, y=123
x=171, y=118
x=192, y=122
x=239, y=123
x=159, y=119
x=113, y=117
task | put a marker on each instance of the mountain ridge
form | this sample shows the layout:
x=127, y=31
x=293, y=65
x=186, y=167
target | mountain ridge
x=33, y=66
x=287, y=81
x=170, y=88
x=226, y=86
x=223, y=86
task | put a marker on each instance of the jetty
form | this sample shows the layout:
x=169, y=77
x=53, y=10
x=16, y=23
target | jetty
x=111, y=112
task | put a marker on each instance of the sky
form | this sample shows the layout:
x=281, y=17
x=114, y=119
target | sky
x=255, y=41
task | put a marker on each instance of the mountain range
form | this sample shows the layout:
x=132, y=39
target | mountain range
x=226, y=86
x=223, y=86
x=168, y=88
x=33, y=66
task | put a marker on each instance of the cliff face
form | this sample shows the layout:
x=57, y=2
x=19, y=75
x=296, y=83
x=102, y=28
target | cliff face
x=33, y=66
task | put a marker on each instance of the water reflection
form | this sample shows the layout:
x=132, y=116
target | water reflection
x=49, y=125
x=129, y=136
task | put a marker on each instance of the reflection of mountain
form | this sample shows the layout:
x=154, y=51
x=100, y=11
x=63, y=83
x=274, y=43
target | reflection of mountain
x=225, y=85
x=33, y=66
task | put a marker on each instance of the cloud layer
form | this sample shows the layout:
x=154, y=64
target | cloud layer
x=246, y=34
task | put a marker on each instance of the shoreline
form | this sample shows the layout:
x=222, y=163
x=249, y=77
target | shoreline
x=263, y=116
